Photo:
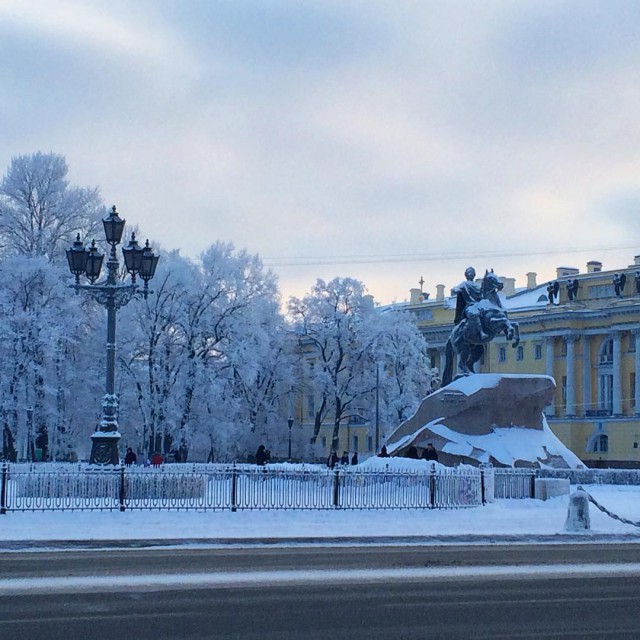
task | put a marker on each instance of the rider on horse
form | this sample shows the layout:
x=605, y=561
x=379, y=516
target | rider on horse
x=467, y=294
x=484, y=318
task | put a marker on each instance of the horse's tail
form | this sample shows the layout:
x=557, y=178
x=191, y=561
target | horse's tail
x=447, y=375
x=516, y=334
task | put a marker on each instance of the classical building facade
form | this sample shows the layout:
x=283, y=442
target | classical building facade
x=584, y=330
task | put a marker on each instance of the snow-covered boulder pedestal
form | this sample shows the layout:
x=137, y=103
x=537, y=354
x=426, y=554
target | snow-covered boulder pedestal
x=487, y=418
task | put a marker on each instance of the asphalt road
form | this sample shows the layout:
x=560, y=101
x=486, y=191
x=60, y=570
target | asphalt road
x=573, y=591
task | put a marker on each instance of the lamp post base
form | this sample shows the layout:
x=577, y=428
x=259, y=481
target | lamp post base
x=104, y=448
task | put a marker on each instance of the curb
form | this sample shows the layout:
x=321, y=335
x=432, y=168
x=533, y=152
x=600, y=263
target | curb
x=88, y=545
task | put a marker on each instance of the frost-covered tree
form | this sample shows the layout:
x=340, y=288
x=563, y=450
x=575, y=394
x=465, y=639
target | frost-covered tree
x=43, y=400
x=207, y=358
x=405, y=375
x=336, y=322
x=40, y=212
x=151, y=356
x=346, y=341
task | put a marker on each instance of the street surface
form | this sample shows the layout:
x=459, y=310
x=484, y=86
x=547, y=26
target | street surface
x=528, y=591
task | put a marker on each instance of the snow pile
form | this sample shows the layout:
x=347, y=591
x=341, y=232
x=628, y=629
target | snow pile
x=472, y=384
x=506, y=445
x=399, y=464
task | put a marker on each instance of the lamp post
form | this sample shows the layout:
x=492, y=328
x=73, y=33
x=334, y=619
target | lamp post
x=30, y=448
x=377, y=407
x=112, y=294
x=290, y=423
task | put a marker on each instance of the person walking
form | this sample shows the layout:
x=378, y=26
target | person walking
x=333, y=460
x=130, y=457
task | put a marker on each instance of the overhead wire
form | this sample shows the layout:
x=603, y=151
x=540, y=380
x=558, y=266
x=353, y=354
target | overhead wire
x=291, y=261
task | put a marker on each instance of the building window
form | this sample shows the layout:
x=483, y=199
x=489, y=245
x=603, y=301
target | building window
x=537, y=352
x=606, y=392
x=355, y=443
x=324, y=442
x=599, y=441
x=370, y=443
x=600, y=444
x=311, y=406
x=563, y=348
x=632, y=390
x=520, y=353
x=502, y=354
x=482, y=357
x=564, y=391
x=606, y=352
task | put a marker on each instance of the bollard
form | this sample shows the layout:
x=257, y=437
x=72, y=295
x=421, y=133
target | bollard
x=578, y=513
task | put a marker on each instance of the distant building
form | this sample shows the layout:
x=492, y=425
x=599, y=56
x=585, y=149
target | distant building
x=587, y=338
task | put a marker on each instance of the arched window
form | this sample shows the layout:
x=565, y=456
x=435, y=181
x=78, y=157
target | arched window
x=598, y=443
x=606, y=352
x=599, y=440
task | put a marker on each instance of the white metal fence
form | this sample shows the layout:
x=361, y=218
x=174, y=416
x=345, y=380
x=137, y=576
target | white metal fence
x=514, y=483
x=209, y=487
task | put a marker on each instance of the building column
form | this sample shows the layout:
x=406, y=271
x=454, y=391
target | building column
x=551, y=409
x=617, y=373
x=442, y=360
x=586, y=374
x=570, y=408
x=636, y=337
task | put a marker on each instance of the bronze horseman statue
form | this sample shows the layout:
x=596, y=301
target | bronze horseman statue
x=479, y=318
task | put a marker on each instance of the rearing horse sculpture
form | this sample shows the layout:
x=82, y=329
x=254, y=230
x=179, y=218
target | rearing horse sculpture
x=466, y=342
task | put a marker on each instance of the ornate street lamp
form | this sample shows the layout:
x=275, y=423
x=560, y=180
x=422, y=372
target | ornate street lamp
x=112, y=294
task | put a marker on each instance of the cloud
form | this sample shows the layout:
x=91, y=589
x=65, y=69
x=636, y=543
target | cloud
x=107, y=28
x=343, y=128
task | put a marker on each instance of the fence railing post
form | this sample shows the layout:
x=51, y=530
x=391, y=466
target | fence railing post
x=234, y=487
x=336, y=489
x=482, y=486
x=3, y=489
x=532, y=485
x=122, y=495
x=432, y=486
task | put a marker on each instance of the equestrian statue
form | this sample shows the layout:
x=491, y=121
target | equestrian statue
x=480, y=317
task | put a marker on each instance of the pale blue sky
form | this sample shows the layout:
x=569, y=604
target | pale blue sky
x=451, y=132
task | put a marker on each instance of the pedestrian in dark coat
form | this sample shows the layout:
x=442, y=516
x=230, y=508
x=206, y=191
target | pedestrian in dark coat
x=383, y=452
x=345, y=458
x=354, y=458
x=130, y=457
x=430, y=453
x=261, y=456
x=333, y=460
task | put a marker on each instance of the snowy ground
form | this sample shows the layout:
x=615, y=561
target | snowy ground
x=526, y=518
